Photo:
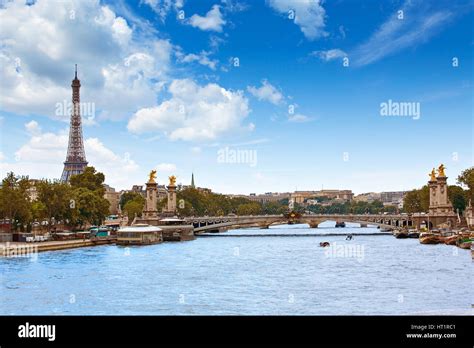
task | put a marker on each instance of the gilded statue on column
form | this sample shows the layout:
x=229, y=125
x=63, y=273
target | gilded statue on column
x=441, y=169
x=152, y=176
x=433, y=175
x=172, y=180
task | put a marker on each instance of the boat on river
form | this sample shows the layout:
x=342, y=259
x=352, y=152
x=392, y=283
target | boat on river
x=140, y=234
x=399, y=234
x=450, y=240
x=429, y=238
x=464, y=243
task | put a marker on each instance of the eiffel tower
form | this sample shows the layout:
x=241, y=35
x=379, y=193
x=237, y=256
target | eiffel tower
x=76, y=157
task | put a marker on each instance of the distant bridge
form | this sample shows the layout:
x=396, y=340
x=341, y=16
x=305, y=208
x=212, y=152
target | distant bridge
x=222, y=223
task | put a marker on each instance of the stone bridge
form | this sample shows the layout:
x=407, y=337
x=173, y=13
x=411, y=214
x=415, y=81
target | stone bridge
x=222, y=223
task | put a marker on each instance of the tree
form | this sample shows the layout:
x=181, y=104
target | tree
x=55, y=198
x=252, y=208
x=14, y=200
x=457, y=196
x=466, y=178
x=89, y=179
x=411, y=202
x=417, y=201
x=134, y=208
x=129, y=196
x=89, y=207
x=89, y=203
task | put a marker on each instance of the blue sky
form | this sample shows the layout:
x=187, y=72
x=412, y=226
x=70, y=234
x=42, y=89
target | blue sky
x=305, y=100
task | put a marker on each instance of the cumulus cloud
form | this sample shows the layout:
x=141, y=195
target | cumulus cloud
x=33, y=127
x=267, y=92
x=212, y=21
x=193, y=112
x=118, y=72
x=202, y=58
x=329, y=54
x=299, y=118
x=309, y=15
x=42, y=156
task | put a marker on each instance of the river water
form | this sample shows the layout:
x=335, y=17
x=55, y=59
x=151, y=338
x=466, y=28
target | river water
x=245, y=274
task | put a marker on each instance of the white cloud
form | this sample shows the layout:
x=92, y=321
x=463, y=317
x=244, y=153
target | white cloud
x=166, y=167
x=420, y=22
x=212, y=21
x=193, y=112
x=309, y=15
x=44, y=153
x=267, y=92
x=202, y=58
x=33, y=127
x=329, y=54
x=299, y=118
x=119, y=72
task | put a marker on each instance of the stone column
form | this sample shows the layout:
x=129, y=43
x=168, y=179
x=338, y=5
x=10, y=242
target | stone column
x=433, y=186
x=171, y=198
x=444, y=205
x=150, y=201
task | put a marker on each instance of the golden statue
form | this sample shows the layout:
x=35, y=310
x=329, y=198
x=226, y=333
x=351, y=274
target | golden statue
x=172, y=180
x=152, y=176
x=433, y=175
x=441, y=169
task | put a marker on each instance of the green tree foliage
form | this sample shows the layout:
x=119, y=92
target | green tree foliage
x=466, y=178
x=55, y=198
x=457, y=196
x=89, y=204
x=274, y=208
x=252, y=208
x=133, y=208
x=14, y=200
x=90, y=179
x=417, y=201
x=199, y=203
x=412, y=202
x=130, y=196
x=134, y=205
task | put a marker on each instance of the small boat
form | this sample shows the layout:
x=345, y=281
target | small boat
x=451, y=240
x=413, y=234
x=429, y=238
x=340, y=224
x=464, y=243
x=400, y=234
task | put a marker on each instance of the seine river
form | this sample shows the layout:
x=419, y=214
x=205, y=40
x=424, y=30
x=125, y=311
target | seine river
x=240, y=274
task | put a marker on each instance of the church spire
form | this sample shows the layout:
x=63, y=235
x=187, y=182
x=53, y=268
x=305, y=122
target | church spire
x=75, y=77
x=192, y=181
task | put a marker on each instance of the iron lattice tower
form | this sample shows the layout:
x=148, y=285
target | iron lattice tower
x=76, y=157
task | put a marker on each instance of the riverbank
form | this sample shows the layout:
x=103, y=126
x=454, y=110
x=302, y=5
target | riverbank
x=19, y=249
